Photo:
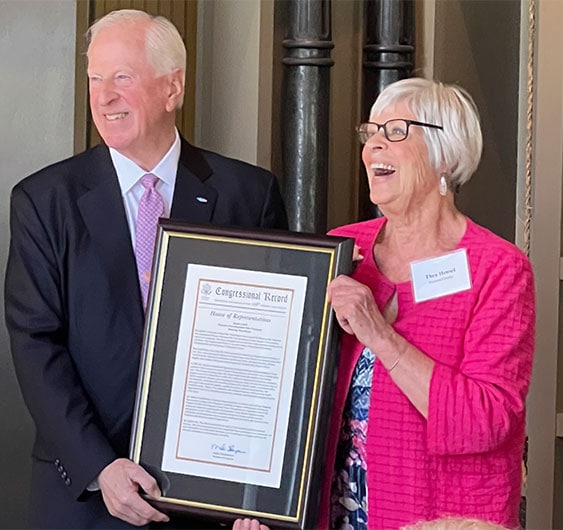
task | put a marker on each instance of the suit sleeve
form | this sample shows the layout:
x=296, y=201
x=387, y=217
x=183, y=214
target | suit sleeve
x=67, y=428
x=273, y=211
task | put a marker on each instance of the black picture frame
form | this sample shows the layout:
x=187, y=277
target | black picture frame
x=295, y=503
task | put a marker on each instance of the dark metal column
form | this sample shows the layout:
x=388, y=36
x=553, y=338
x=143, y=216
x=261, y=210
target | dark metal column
x=305, y=113
x=388, y=57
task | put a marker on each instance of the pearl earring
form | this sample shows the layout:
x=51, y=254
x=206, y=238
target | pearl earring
x=443, y=187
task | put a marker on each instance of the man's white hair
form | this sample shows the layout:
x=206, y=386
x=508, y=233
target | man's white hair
x=164, y=45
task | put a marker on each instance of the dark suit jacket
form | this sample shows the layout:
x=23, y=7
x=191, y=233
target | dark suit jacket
x=74, y=312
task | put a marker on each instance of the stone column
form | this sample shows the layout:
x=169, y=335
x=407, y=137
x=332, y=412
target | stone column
x=305, y=113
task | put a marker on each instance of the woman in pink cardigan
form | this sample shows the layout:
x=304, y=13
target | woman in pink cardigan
x=439, y=321
x=429, y=414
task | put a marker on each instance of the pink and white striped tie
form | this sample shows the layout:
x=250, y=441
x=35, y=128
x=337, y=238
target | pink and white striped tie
x=151, y=207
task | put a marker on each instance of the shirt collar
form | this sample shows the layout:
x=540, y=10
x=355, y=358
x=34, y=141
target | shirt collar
x=129, y=173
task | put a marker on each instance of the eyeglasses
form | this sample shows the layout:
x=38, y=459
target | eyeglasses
x=394, y=130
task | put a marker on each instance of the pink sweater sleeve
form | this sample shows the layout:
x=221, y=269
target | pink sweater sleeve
x=486, y=394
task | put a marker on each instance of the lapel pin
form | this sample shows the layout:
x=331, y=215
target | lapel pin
x=201, y=199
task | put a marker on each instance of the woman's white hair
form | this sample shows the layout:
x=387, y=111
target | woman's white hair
x=164, y=45
x=455, y=150
x=454, y=523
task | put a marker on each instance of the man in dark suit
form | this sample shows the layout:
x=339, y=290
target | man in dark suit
x=74, y=307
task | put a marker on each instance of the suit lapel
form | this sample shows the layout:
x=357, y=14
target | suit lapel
x=104, y=215
x=194, y=200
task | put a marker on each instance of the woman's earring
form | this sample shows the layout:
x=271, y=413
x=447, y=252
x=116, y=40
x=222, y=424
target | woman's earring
x=443, y=188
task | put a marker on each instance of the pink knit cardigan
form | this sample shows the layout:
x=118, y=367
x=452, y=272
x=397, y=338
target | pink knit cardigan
x=466, y=459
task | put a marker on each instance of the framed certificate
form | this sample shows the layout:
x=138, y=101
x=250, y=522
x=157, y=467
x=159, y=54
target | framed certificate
x=238, y=368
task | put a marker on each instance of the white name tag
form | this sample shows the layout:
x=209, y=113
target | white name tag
x=435, y=277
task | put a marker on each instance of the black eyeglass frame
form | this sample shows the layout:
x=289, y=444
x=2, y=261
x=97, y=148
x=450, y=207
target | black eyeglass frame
x=384, y=127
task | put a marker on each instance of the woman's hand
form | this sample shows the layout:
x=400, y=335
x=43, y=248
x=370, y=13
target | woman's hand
x=357, y=256
x=249, y=524
x=358, y=314
x=356, y=310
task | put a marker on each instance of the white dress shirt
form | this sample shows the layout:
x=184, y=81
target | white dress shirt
x=129, y=175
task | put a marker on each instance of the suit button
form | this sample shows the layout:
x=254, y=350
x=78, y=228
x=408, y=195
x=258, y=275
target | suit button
x=64, y=474
x=67, y=481
x=57, y=462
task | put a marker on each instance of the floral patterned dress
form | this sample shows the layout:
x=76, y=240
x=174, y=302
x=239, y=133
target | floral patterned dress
x=349, y=488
